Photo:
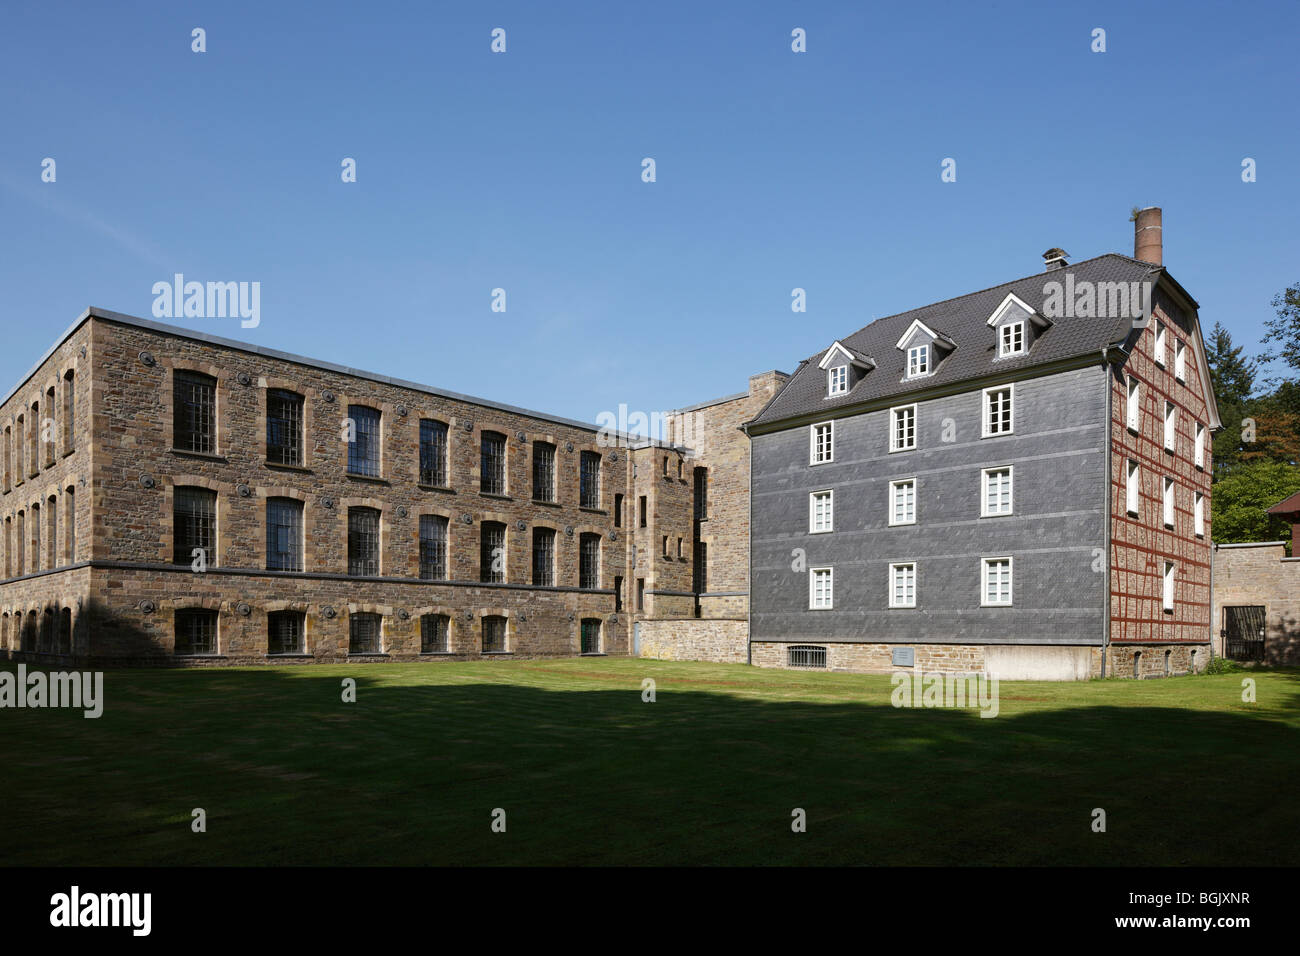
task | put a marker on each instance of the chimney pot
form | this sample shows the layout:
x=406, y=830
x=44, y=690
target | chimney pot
x=1054, y=259
x=1148, y=241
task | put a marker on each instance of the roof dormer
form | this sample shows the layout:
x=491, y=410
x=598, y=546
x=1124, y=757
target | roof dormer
x=925, y=349
x=844, y=368
x=1016, y=324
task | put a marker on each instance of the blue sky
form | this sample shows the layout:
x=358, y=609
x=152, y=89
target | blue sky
x=522, y=171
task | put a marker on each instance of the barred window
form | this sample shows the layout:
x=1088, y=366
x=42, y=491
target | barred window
x=283, y=534
x=433, y=452
x=196, y=631
x=434, y=631
x=589, y=561
x=806, y=656
x=701, y=493
x=589, y=480
x=543, y=557
x=492, y=460
x=363, y=541
x=433, y=547
x=590, y=635
x=283, y=427
x=494, y=634
x=492, y=552
x=700, y=571
x=543, y=471
x=285, y=632
x=194, y=412
x=363, y=450
x=365, y=633
x=194, y=524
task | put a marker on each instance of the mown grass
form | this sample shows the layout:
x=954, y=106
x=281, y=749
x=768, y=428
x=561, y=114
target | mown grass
x=589, y=773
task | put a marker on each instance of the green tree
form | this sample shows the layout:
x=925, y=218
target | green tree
x=1284, y=328
x=1232, y=376
x=1239, y=499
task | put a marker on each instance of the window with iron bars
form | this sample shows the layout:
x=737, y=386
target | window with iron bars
x=701, y=493
x=590, y=635
x=543, y=557
x=492, y=462
x=196, y=631
x=434, y=632
x=494, y=634
x=806, y=656
x=194, y=412
x=363, y=541
x=285, y=632
x=363, y=450
x=543, y=471
x=283, y=534
x=433, y=547
x=284, y=427
x=433, y=452
x=589, y=561
x=194, y=524
x=365, y=634
x=589, y=480
x=492, y=552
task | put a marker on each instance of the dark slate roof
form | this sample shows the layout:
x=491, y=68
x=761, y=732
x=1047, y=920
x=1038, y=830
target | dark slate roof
x=965, y=321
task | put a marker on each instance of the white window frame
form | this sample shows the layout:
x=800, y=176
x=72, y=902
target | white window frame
x=986, y=408
x=1168, y=513
x=1171, y=426
x=1158, y=350
x=830, y=443
x=812, y=511
x=893, y=584
x=1180, y=360
x=919, y=360
x=893, y=427
x=1167, y=587
x=1132, y=487
x=1198, y=514
x=1008, y=335
x=984, y=491
x=1133, y=404
x=812, y=589
x=894, y=487
x=1199, y=452
x=985, y=564
x=837, y=380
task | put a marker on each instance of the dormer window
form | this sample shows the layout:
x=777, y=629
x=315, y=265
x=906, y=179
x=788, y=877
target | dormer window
x=844, y=367
x=838, y=379
x=1011, y=339
x=918, y=360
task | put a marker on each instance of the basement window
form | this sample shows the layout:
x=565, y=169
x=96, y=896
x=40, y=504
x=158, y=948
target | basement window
x=806, y=656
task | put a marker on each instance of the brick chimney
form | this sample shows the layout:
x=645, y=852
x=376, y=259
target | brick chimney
x=1148, y=244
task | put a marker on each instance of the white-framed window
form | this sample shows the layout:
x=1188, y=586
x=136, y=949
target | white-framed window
x=1132, y=487
x=822, y=443
x=918, y=360
x=902, y=428
x=1168, y=589
x=1171, y=426
x=902, y=584
x=902, y=501
x=1199, y=454
x=1158, y=353
x=995, y=588
x=821, y=589
x=995, y=491
x=821, y=512
x=1198, y=514
x=1133, y=404
x=837, y=379
x=1011, y=340
x=1167, y=503
x=998, y=415
x=1180, y=361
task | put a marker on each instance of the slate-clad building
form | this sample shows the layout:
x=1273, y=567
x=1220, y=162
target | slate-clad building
x=1014, y=481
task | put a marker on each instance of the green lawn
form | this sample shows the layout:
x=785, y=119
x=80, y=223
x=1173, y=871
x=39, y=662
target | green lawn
x=589, y=773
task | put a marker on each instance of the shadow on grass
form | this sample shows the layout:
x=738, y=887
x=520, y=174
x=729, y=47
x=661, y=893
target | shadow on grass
x=589, y=773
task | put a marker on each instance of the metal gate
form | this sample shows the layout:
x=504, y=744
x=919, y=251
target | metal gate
x=1244, y=633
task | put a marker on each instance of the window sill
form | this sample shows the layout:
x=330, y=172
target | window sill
x=489, y=494
x=68, y=452
x=279, y=466
x=592, y=654
x=367, y=654
x=293, y=655
x=437, y=653
x=202, y=455
x=1005, y=514
x=443, y=488
x=594, y=511
x=200, y=657
x=497, y=653
x=544, y=503
x=370, y=479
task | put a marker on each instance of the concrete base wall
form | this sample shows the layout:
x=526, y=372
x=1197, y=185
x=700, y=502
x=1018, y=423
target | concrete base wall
x=1041, y=663
x=718, y=642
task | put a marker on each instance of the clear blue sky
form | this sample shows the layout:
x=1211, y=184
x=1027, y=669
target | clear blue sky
x=523, y=171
